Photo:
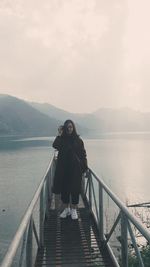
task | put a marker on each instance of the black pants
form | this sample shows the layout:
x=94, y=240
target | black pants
x=65, y=197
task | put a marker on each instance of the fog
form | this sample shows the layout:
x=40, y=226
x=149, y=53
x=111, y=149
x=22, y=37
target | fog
x=78, y=55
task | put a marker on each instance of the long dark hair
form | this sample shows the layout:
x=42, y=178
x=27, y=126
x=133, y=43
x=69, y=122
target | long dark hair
x=74, y=133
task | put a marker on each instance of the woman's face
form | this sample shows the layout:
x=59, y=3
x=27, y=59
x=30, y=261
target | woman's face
x=69, y=128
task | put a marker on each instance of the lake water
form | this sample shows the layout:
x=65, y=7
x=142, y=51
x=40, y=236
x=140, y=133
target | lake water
x=122, y=160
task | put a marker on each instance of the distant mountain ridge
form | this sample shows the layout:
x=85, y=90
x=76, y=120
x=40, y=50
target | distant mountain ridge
x=52, y=111
x=103, y=120
x=19, y=117
x=88, y=121
x=123, y=120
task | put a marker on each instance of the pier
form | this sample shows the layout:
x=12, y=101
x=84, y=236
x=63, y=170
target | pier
x=43, y=239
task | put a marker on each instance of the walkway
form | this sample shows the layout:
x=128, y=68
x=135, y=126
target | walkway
x=71, y=243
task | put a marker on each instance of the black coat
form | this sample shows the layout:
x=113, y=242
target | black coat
x=71, y=164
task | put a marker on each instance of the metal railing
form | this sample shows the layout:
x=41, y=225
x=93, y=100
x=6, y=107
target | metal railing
x=23, y=238
x=94, y=190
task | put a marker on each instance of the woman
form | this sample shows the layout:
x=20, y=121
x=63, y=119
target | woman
x=70, y=166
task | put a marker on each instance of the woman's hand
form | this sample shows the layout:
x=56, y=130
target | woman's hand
x=60, y=130
x=86, y=173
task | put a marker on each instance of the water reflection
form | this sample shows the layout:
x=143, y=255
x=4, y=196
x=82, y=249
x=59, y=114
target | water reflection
x=123, y=163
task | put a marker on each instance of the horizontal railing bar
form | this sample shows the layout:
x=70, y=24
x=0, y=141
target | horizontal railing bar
x=94, y=199
x=121, y=205
x=139, y=205
x=17, y=238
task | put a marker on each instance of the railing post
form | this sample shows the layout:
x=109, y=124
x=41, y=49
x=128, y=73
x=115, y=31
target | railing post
x=47, y=196
x=29, y=245
x=83, y=185
x=90, y=191
x=41, y=219
x=52, y=171
x=24, y=242
x=26, y=230
x=124, y=240
x=101, y=213
x=49, y=183
x=137, y=251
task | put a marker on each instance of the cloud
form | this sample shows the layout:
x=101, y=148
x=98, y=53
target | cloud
x=75, y=54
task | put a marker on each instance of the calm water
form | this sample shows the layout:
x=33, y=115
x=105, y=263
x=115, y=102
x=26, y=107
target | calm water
x=122, y=160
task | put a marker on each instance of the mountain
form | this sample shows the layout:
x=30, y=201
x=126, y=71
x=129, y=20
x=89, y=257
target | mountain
x=102, y=120
x=63, y=115
x=52, y=111
x=17, y=117
x=122, y=120
x=87, y=123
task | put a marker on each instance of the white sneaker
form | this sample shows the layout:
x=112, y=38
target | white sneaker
x=65, y=213
x=74, y=214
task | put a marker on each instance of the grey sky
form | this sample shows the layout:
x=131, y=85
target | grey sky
x=76, y=54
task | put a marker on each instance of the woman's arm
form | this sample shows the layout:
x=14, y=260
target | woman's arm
x=83, y=157
x=57, y=142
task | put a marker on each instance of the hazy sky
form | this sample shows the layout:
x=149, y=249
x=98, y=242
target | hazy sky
x=78, y=55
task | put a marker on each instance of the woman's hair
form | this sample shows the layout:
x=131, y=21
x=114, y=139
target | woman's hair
x=74, y=133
